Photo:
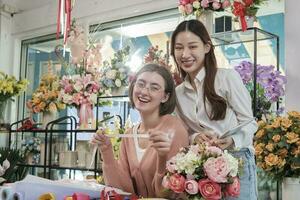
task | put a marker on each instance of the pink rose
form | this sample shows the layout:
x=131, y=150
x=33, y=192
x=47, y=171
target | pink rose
x=191, y=187
x=226, y=4
x=189, y=8
x=176, y=183
x=165, y=182
x=217, y=169
x=233, y=189
x=209, y=189
x=214, y=150
x=184, y=2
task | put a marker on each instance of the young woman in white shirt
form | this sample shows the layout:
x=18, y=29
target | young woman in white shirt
x=212, y=101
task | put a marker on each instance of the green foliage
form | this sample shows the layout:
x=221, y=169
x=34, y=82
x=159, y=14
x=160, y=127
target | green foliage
x=15, y=157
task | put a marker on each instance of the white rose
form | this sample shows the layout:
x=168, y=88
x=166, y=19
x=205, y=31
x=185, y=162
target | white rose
x=118, y=82
x=196, y=4
x=233, y=163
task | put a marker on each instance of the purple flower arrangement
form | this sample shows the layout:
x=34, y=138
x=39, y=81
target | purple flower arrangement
x=270, y=84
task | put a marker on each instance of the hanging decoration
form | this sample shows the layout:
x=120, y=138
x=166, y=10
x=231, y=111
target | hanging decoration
x=64, y=18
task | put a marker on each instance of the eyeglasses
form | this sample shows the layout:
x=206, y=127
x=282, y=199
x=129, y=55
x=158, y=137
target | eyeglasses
x=152, y=88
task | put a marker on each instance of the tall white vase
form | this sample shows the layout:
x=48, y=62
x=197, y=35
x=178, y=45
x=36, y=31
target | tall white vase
x=291, y=188
x=48, y=117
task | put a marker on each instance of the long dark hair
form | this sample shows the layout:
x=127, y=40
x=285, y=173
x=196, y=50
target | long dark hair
x=218, y=103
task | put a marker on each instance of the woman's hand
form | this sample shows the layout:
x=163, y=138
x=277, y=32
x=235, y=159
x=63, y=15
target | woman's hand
x=208, y=137
x=161, y=141
x=100, y=139
x=224, y=143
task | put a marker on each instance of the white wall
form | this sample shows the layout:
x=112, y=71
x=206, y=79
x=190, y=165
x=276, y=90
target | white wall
x=292, y=62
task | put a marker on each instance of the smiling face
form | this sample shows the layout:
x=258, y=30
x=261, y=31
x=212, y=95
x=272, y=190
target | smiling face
x=189, y=52
x=149, y=92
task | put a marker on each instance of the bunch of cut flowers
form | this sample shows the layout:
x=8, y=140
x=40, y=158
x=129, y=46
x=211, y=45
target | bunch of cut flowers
x=115, y=74
x=269, y=84
x=203, y=172
x=45, y=97
x=277, y=146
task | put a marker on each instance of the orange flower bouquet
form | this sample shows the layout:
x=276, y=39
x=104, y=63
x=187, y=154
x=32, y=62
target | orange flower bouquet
x=45, y=98
x=277, y=146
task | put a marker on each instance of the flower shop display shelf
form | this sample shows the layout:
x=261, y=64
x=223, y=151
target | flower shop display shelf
x=235, y=44
x=64, y=127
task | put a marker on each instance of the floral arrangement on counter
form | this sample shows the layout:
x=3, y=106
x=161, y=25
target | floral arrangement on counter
x=115, y=74
x=45, y=97
x=203, y=172
x=270, y=85
x=10, y=86
x=277, y=146
x=155, y=55
x=196, y=7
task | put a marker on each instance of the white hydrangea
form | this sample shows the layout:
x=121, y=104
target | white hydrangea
x=187, y=163
x=233, y=164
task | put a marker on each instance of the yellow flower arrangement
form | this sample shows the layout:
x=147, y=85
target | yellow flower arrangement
x=10, y=86
x=277, y=146
x=45, y=98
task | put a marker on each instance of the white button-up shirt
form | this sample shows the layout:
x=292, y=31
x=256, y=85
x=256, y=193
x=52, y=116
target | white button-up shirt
x=229, y=85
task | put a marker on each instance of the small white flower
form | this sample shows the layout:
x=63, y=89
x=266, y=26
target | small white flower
x=6, y=164
x=233, y=163
x=196, y=4
x=118, y=82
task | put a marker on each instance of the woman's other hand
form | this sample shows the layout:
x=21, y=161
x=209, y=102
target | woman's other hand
x=206, y=136
x=161, y=141
x=224, y=143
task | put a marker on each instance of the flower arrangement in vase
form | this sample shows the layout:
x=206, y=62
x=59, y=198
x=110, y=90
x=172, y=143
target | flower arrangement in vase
x=45, y=98
x=9, y=87
x=277, y=146
x=270, y=85
x=80, y=91
x=155, y=55
x=115, y=74
x=81, y=84
x=203, y=172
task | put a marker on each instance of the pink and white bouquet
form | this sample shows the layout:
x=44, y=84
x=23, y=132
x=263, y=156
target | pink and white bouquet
x=196, y=7
x=203, y=172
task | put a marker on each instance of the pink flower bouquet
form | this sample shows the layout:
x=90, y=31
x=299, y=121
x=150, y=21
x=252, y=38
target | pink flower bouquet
x=205, y=172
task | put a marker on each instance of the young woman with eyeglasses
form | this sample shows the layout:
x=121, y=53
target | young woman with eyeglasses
x=142, y=162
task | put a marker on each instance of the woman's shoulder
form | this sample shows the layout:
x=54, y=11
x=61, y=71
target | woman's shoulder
x=227, y=74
